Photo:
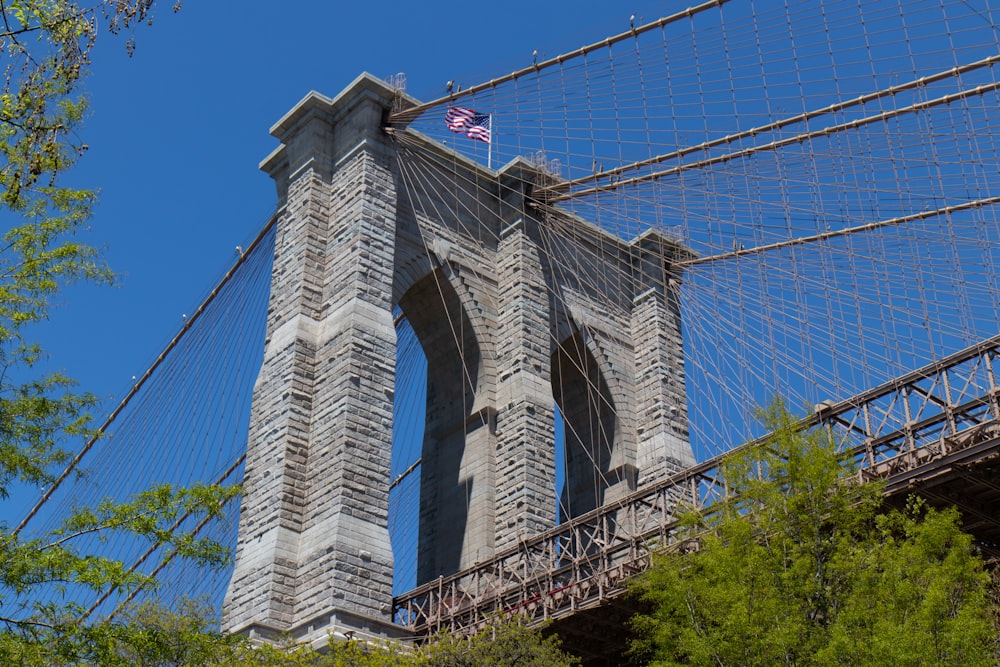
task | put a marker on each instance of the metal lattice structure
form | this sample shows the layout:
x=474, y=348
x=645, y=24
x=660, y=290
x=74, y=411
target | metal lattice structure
x=917, y=433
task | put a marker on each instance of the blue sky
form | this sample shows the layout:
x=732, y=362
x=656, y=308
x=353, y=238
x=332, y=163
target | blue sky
x=176, y=133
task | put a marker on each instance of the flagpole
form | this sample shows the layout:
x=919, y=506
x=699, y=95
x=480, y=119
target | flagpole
x=489, y=150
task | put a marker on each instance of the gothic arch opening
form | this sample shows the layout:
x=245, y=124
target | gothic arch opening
x=589, y=425
x=455, y=515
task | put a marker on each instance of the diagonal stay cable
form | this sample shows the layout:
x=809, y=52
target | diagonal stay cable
x=148, y=374
x=409, y=115
x=563, y=187
x=901, y=220
x=221, y=479
x=781, y=143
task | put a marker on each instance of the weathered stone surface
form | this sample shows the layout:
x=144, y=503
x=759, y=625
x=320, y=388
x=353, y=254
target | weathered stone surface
x=518, y=307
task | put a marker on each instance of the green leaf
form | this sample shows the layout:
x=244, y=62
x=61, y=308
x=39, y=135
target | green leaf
x=807, y=568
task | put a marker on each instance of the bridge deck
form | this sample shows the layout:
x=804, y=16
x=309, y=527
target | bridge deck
x=935, y=431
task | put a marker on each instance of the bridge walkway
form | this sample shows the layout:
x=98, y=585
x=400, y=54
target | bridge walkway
x=934, y=431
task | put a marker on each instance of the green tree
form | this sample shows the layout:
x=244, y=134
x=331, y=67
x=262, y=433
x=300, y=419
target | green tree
x=46, y=46
x=188, y=636
x=39, y=628
x=804, y=568
x=501, y=644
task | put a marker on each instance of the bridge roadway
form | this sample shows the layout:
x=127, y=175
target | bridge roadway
x=934, y=431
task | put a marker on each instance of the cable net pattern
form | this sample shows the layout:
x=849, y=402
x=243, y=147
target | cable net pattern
x=183, y=423
x=832, y=168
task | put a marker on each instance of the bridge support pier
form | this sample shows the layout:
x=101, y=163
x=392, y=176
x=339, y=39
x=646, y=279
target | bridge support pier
x=526, y=499
x=518, y=307
x=313, y=553
x=661, y=397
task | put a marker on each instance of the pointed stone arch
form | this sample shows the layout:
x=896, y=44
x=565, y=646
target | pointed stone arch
x=456, y=500
x=593, y=435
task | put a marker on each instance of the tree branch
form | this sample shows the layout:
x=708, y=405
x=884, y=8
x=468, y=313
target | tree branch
x=3, y=10
x=95, y=529
x=14, y=621
x=41, y=26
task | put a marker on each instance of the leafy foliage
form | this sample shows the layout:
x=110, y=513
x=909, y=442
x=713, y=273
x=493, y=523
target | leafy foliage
x=188, y=636
x=46, y=46
x=502, y=644
x=42, y=629
x=803, y=569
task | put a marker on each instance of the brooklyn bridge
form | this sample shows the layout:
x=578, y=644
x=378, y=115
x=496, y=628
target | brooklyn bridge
x=488, y=345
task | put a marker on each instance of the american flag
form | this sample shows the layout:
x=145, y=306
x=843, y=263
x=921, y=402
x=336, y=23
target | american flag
x=468, y=122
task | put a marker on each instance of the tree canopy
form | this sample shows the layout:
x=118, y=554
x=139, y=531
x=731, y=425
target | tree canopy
x=186, y=636
x=46, y=46
x=802, y=567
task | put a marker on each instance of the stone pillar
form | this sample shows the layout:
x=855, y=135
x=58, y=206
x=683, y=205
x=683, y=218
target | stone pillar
x=525, y=495
x=313, y=553
x=345, y=559
x=660, y=395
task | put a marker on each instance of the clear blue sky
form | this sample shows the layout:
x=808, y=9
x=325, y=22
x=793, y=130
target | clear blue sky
x=176, y=133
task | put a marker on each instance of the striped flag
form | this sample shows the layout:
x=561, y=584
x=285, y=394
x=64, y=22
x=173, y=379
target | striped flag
x=466, y=121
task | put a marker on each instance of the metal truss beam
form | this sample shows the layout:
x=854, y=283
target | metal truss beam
x=936, y=420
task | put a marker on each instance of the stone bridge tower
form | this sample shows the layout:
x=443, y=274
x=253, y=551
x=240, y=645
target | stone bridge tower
x=519, y=307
